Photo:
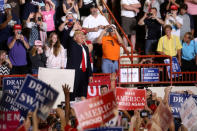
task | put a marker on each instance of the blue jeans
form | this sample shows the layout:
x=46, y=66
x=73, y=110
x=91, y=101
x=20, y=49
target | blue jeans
x=150, y=46
x=109, y=66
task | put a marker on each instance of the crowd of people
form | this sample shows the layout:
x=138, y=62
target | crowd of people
x=74, y=34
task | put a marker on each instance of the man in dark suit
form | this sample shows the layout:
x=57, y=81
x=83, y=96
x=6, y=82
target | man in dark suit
x=78, y=59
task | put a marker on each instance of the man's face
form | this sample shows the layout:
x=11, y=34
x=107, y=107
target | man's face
x=168, y=31
x=8, y=11
x=104, y=90
x=183, y=11
x=154, y=12
x=69, y=17
x=17, y=32
x=79, y=38
x=174, y=11
x=186, y=39
x=93, y=11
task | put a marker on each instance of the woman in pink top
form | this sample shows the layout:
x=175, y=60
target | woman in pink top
x=55, y=53
x=192, y=10
x=48, y=15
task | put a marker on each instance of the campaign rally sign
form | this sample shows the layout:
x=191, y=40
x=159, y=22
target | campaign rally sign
x=11, y=87
x=94, y=87
x=130, y=99
x=1, y=5
x=175, y=100
x=56, y=78
x=93, y=112
x=188, y=113
x=149, y=74
x=175, y=67
x=129, y=75
x=9, y=121
x=163, y=117
x=107, y=129
x=36, y=94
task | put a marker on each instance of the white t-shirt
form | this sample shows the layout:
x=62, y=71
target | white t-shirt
x=128, y=13
x=171, y=21
x=92, y=22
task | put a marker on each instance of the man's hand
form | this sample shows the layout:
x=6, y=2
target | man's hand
x=90, y=79
x=66, y=89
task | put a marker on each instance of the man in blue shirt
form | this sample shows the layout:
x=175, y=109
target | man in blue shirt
x=189, y=53
x=7, y=20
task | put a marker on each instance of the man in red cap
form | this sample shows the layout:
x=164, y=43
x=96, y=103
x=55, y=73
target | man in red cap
x=18, y=47
x=174, y=20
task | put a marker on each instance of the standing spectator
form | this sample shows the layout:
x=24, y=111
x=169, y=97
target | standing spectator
x=189, y=53
x=37, y=28
x=94, y=25
x=18, y=47
x=174, y=21
x=111, y=49
x=5, y=63
x=129, y=9
x=37, y=56
x=7, y=21
x=15, y=4
x=186, y=27
x=153, y=4
x=169, y=44
x=84, y=7
x=192, y=10
x=153, y=28
x=78, y=59
x=71, y=6
x=55, y=53
x=48, y=15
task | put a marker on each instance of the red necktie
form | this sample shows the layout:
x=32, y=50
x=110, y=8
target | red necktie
x=83, y=62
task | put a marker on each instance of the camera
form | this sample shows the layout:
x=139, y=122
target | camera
x=70, y=20
x=169, y=13
x=39, y=19
x=109, y=29
x=149, y=14
x=144, y=113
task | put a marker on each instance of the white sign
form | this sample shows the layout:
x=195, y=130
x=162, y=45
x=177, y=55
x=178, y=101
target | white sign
x=56, y=78
x=129, y=75
x=188, y=113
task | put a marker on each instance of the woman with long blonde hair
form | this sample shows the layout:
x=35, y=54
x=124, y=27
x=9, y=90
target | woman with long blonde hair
x=55, y=53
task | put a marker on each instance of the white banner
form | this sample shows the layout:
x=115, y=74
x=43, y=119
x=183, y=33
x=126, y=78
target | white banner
x=56, y=78
x=188, y=113
x=129, y=75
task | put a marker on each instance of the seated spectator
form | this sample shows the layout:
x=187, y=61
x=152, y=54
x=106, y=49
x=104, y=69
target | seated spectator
x=18, y=47
x=153, y=4
x=37, y=56
x=169, y=44
x=5, y=63
x=55, y=53
x=186, y=26
x=189, y=53
x=129, y=10
x=174, y=21
x=7, y=21
x=48, y=15
x=37, y=28
x=111, y=42
x=71, y=6
x=153, y=28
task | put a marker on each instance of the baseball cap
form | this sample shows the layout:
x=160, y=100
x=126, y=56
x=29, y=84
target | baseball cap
x=17, y=27
x=7, y=6
x=38, y=42
x=173, y=7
